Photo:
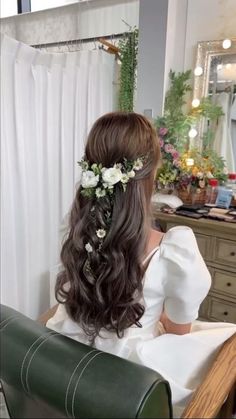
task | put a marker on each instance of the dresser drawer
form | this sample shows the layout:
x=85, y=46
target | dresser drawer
x=221, y=311
x=225, y=252
x=205, y=245
x=203, y=310
x=224, y=282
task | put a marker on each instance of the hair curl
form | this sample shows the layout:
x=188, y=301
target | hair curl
x=103, y=289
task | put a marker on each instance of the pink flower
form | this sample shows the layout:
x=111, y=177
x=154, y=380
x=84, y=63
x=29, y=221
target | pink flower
x=161, y=142
x=175, y=154
x=176, y=163
x=163, y=131
x=169, y=148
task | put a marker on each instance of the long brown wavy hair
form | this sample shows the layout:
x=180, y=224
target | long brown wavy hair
x=102, y=289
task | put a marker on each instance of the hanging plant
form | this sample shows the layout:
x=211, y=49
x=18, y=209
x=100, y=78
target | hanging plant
x=128, y=47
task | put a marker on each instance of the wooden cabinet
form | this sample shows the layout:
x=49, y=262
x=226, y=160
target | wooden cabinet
x=217, y=244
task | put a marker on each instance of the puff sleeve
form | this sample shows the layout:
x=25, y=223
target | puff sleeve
x=186, y=279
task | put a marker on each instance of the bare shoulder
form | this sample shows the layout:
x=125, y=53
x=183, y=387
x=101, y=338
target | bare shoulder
x=156, y=236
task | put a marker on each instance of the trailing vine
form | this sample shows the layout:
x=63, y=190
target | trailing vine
x=128, y=47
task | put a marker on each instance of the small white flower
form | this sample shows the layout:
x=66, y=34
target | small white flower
x=89, y=180
x=125, y=178
x=111, y=176
x=138, y=164
x=101, y=233
x=88, y=247
x=131, y=173
x=100, y=192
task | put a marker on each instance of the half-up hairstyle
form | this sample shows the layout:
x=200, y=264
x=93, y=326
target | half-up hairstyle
x=102, y=288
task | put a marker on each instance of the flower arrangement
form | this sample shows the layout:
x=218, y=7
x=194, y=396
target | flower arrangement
x=183, y=167
x=197, y=168
x=98, y=181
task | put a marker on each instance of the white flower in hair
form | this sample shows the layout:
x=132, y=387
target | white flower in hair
x=131, y=173
x=111, y=176
x=101, y=233
x=89, y=179
x=125, y=178
x=100, y=192
x=88, y=247
x=138, y=164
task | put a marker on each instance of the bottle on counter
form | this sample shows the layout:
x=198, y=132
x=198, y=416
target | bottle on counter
x=211, y=192
x=231, y=183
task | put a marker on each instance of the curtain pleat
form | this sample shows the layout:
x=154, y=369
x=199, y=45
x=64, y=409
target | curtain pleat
x=48, y=104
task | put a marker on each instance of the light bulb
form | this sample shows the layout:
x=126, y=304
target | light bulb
x=192, y=133
x=195, y=103
x=198, y=71
x=226, y=43
x=219, y=67
x=189, y=162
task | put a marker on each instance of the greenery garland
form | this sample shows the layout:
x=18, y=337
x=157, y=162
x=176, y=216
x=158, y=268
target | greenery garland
x=128, y=47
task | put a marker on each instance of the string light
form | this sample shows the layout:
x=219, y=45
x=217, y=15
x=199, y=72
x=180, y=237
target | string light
x=189, y=162
x=192, y=133
x=198, y=71
x=226, y=43
x=195, y=103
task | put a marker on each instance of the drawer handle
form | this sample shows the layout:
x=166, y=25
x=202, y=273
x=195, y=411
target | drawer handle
x=232, y=253
x=228, y=284
x=225, y=313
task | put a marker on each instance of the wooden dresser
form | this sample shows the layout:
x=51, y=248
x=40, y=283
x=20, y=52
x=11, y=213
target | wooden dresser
x=217, y=244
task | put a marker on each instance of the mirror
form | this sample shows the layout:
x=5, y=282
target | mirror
x=215, y=77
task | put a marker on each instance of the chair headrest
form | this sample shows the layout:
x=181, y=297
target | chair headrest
x=72, y=379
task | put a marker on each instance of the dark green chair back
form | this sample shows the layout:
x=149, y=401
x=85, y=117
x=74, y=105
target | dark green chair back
x=47, y=375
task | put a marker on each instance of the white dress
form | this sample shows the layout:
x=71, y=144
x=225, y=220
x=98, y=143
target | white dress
x=176, y=278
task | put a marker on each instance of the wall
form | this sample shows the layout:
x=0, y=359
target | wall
x=162, y=32
x=75, y=21
x=151, y=57
x=208, y=20
x=176, y=37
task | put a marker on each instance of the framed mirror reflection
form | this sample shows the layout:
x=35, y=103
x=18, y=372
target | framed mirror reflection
x=215, y=78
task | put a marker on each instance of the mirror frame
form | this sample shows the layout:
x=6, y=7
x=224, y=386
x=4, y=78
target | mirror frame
x=205, y=51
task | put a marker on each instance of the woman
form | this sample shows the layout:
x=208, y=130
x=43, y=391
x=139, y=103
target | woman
x=120, y=277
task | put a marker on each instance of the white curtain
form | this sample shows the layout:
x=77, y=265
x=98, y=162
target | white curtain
x=48, y=104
